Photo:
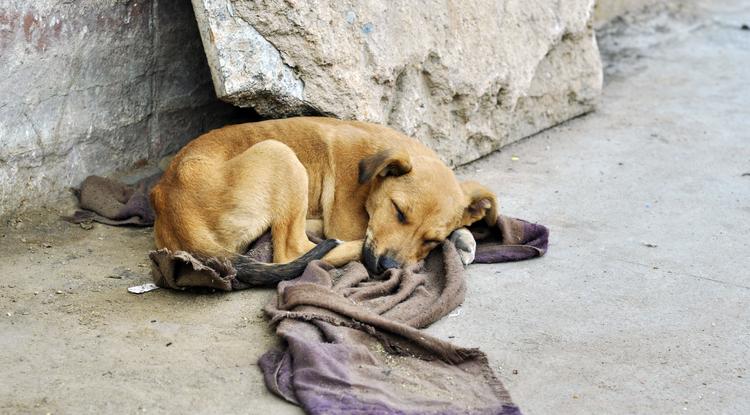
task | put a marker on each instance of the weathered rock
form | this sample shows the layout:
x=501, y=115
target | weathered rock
x=463, y=77
x=90, y=87
x=607, y=10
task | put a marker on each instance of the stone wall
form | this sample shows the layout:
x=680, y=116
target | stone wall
x=93, y=86
x=465, y=78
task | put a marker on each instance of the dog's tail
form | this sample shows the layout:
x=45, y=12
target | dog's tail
x=258, y=273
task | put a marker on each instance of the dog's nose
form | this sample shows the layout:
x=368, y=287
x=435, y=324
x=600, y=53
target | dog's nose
x=385, y=263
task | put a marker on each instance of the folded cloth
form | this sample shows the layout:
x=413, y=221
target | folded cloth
x=353, y=344
x=511, y=240
x=112, y=202
x=181, y=270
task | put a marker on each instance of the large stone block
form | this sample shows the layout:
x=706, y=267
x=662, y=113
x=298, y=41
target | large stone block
x=463, y=77
x=90, y=87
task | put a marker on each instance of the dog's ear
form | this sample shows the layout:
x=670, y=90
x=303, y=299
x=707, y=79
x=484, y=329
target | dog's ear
x=481, y=204
x=384, y=163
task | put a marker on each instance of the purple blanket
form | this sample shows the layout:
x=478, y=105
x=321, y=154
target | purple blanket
x=352, y=344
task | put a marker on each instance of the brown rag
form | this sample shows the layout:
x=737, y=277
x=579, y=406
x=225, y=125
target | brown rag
x=352, y=344
x=112, y=202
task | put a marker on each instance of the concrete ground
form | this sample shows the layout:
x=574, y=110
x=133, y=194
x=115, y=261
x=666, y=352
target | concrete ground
x=642, y=304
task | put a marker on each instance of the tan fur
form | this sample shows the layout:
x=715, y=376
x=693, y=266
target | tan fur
x=341, y=178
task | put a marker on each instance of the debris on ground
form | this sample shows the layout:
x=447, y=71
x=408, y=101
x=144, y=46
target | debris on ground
x=140, y=289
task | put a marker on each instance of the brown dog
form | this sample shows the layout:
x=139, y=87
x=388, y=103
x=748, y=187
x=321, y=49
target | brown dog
x=390, y=197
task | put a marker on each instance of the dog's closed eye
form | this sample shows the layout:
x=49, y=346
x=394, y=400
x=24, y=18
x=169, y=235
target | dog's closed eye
x=399, y=214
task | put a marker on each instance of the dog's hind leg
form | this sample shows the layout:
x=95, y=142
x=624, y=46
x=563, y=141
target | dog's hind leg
x=268, y=190
x=288, y=227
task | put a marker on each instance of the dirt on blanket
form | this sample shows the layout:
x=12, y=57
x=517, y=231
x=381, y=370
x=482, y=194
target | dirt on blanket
x=73, y=340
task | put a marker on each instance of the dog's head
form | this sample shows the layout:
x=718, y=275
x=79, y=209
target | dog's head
x=415, y=202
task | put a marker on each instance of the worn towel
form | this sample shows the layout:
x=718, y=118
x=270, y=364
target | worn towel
x=353, y=344
x=112, y=202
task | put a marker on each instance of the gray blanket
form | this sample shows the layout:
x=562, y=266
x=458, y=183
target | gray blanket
x=352, y=343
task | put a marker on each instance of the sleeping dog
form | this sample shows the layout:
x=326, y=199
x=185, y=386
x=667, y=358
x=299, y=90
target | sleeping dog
x=379, y=196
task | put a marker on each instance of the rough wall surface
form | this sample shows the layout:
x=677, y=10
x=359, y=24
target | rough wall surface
x=607, y=10
x=463, y=77
x=89, y=87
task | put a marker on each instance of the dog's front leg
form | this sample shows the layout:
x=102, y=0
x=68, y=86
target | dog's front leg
x=465, y=244
x=345, y=253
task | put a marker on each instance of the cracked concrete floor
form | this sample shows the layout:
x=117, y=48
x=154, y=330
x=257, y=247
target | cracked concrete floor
x=642, y=304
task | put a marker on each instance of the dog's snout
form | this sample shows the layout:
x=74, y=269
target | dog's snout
x=386, y=262
x=370, y=259
x=377, y=264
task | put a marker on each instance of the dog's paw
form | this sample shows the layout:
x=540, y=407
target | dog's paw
x=465, y=243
